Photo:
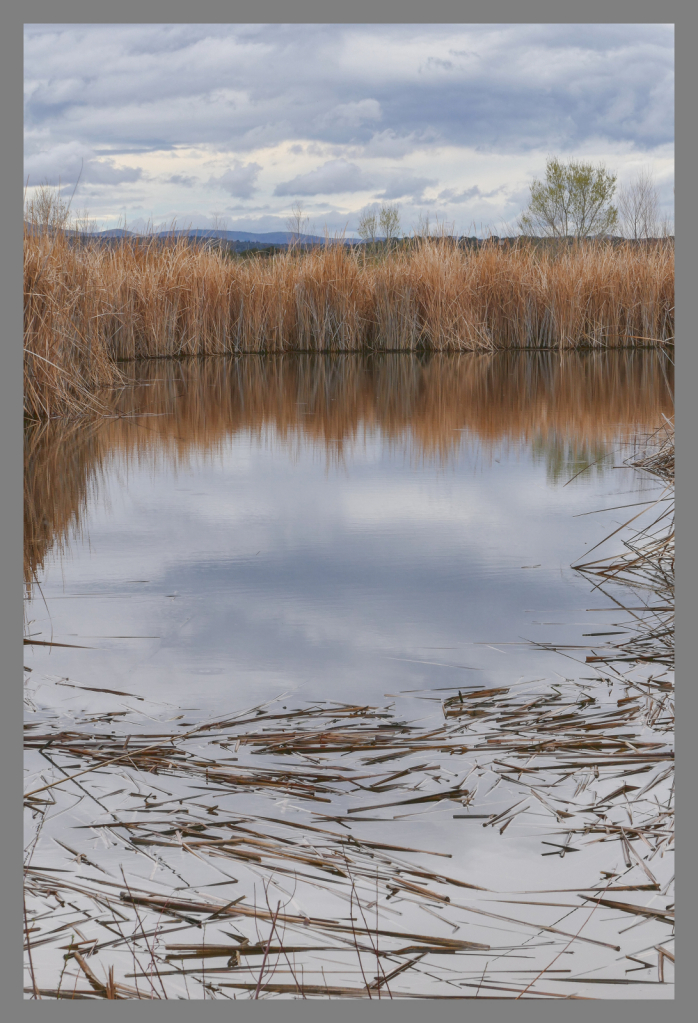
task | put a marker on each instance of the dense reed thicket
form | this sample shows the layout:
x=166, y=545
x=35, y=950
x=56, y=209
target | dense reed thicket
x=88, y=305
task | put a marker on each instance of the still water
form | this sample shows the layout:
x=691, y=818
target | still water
x=350, y=528
x=331, y=523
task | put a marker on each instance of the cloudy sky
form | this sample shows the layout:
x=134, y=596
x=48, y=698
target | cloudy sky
x=234, y=124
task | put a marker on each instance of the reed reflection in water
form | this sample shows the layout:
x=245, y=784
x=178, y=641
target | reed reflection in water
x=569, y=408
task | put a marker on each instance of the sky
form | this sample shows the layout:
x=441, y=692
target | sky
x=231, y=126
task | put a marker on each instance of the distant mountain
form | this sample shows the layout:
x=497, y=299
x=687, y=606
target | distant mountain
x=243, y=240
x=247, y=238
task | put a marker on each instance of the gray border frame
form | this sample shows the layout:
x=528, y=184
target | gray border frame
x=685, y=17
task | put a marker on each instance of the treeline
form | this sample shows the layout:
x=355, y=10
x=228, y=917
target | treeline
x=225, y=246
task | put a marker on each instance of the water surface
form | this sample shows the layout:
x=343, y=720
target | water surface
x=342, y=528
x=329, y=522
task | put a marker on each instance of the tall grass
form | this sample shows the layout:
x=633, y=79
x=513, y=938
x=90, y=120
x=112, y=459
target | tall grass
x=88, y=305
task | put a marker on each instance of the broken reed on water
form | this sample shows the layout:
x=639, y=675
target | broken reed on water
x=88, y=306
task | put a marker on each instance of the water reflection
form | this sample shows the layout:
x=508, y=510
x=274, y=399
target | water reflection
x=567, y=408
x=295, y=533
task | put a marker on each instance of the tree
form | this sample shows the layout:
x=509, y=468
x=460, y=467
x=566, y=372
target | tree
x=389, y=220
x=368, y=225
x=426, y=228
x=575, y=199
x=47, y=209
x=638, y=206
x=297, y=223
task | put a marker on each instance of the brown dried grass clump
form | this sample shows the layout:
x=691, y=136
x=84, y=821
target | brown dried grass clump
x=66, y=359
x=87, y=305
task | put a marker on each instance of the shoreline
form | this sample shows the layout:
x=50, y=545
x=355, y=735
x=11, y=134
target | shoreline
x=90, y=309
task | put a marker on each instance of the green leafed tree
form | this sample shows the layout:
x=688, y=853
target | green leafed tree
x=368, y=225
x=575, y=199
x=389, y=221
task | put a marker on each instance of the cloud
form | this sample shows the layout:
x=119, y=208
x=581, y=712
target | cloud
x=181, y=179
x=334, y=176
x=395, y=145
x=351, y=115
x=68, y=163
x=384, y=104
x=239, y=180
x=452, y=195
x=507, y=86
x=408, y=184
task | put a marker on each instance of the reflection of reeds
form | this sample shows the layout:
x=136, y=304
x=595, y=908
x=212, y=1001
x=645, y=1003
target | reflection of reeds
x=521, y=396
x=61, y=463
x=88, y=305
x=580, y=401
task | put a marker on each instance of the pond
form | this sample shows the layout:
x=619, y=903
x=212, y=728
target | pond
x=297, y=533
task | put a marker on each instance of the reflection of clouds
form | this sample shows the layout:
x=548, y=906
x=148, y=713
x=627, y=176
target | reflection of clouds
x=289, y=574
x=345, y=416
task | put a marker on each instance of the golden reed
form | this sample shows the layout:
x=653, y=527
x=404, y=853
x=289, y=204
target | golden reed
x=88, y=306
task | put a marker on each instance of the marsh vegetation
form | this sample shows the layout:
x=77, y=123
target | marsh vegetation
x=90, y=306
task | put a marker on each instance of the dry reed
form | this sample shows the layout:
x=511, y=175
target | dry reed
x=89, y=305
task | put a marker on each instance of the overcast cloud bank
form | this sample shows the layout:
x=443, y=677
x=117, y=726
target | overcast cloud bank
x=236, y=123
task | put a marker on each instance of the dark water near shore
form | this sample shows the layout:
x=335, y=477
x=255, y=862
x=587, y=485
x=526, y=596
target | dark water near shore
x=339, y=528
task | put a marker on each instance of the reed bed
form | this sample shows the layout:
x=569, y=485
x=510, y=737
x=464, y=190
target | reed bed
x=89, y=306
